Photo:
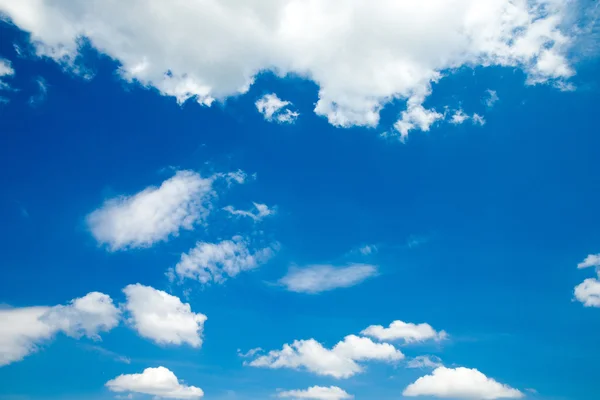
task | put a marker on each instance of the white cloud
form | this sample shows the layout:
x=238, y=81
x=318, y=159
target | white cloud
x=478, y=120
x=368, y=249
x=23, y=330
x=262, y=211
x=320, y=278
x=159, y=382
x=215, y=262
x=317, y=393
x=361, y=57
x=459, y=117
x=409, y=332
x=460, y=383
x=424, y=362
x=339, y=362
x=588, y=292
x=416, y=117
x=274, y=109
x=6, y=70
x=161, y=317
x=250, y=353
x=85, y=316
x=592, y=260
x=490, y=98
x=153, y=214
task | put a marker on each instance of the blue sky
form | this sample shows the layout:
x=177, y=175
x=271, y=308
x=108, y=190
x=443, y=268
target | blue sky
x=296, y=207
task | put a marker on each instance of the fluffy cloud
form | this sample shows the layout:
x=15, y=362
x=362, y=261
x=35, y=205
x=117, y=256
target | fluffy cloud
x=361, y=57
x=339, y=362
x=424, y=362
x=588, y=292
x=216, y=261
x=320, y=278
x=262, y=211
x=154, y=214
x=317, y=393
x=592, y=260
x=460, y=383
x=459, y=117
x=409, y=332
x=159, y=382
x=161, y=317
x=275, y=109
x=24, y=329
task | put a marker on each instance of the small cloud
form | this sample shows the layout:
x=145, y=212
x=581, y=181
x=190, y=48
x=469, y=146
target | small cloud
x=490, y=98
x=592, y=260
x=107, y=353
x=159, y=382
x=478, y=120
x=274, y=109
x=321, y=278
x=368, y=249
x=317, y=393
x=459, y=117
x=416, y=240
x=406, y=331
x=424, y=362
x=6, y=71
x=42, y=93
x=262, y=211
x=250, y=353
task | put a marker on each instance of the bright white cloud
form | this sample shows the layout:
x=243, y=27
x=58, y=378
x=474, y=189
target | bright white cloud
x=409, y=332
x=274, y=109
x=215, y=262
x=588, y=292
x=161, y=317
x=317, y=393
x=159, y=382
x=261, y=211
x=424, y=362
x=342, y=361
x=85, y=316
x=154, y=214
x=490, y=98
x=592, y=260
x=23, y=330
x=360, y=56
x=320, y=278
x=460, y=383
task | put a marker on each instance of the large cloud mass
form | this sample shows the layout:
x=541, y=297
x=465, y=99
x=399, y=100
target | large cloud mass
x=360, y=56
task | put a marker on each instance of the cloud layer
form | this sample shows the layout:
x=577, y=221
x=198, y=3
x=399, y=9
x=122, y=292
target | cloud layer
x=360, y=57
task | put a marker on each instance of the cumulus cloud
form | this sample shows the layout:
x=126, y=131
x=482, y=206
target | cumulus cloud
x=317, y=393
x=409, y=332
x=490, y=98
x=342, y=361
x=274, y=109
x=261, y=211
x=161, y=317
x=592, y=260
x=23, y=330
x=154, y=214
x=320, y=278
x=215, y=262
x=422, y=362
x=460, y=383
x=6, y=71
x=360, y=57
x=159, y=382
